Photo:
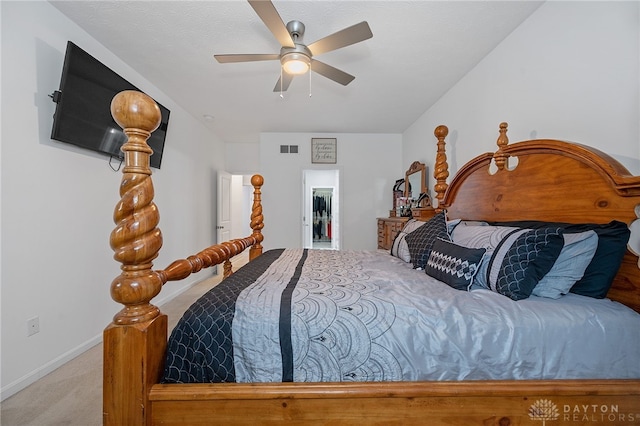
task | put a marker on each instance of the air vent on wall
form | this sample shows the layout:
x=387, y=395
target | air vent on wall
x=288, y=149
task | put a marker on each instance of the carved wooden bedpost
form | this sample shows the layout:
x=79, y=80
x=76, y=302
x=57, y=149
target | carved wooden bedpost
x=503, y=140
x=134, y=344
x=256, y=217
x=441, y=169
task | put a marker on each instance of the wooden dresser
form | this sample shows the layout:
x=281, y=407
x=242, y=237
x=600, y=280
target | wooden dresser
x=388, y=227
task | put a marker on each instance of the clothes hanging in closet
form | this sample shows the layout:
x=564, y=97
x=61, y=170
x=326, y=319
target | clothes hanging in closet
x=322, y=214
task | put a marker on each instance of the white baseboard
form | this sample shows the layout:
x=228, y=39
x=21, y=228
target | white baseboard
x=32, y=377
x=35, y=375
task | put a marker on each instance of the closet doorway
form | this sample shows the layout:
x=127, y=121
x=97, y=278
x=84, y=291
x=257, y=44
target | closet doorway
x=321, y=224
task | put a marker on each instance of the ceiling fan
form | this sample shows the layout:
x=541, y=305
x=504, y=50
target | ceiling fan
x=295, y=57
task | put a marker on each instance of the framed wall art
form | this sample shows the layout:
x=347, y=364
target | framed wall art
x=324, y=150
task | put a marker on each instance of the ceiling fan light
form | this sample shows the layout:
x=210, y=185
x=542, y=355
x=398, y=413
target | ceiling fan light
x=295, y=63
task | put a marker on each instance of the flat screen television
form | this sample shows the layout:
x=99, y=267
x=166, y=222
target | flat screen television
x=83, y=107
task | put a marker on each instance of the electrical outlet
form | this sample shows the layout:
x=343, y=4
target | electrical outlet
x=33, y=326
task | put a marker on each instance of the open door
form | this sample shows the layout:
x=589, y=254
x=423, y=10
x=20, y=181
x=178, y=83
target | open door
x=223, y=227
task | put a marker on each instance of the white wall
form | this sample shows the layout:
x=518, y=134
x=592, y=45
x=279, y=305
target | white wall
x=58, y=200
x=369, y=164
x=571, y=71
x=242, y=158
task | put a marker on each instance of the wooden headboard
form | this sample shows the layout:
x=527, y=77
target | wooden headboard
x=546, y=180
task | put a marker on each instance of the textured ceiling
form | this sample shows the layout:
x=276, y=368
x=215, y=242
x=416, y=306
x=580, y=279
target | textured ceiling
x=419, y=50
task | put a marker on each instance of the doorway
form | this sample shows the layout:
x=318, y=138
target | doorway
x=321, y=219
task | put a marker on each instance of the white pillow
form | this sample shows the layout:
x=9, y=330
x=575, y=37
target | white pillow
x=574, y=258
x=399, y=248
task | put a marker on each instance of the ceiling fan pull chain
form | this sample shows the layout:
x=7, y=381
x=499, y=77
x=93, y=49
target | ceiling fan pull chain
x=309, y=81
x=281, y=95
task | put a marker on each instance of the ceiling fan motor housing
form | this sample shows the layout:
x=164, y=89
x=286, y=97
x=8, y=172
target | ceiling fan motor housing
x=296, y=29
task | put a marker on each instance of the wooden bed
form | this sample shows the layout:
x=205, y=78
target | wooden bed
x=555, y=181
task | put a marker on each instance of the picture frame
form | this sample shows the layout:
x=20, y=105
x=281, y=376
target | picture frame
x=324, y=150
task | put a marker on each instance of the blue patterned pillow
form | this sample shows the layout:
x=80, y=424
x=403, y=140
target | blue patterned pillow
x=422, y=239
x=453, y=264
x=612, y=245
x=521, y=259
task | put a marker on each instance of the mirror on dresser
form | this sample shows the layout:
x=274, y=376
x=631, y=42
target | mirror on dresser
x=415, y=180
x=415, y=189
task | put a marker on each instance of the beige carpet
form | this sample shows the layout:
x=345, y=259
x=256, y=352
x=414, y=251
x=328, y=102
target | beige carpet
x=72, y=394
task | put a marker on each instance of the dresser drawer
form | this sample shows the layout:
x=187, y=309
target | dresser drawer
x=388, y=228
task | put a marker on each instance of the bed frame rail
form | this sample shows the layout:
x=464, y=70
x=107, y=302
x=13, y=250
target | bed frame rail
x=492, y=403
x=224, y=251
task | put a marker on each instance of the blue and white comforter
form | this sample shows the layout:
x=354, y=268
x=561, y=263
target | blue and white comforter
x=321, y=315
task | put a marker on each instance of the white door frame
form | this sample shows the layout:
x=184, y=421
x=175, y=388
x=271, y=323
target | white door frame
x=323, y=178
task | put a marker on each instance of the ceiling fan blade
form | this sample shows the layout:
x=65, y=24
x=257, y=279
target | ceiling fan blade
x=286, y=81
x=225, y=59
x=331, y=73
x=269, y=15
x=351, y=35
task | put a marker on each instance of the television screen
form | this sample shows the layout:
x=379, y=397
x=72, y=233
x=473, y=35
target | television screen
x=83, y=110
